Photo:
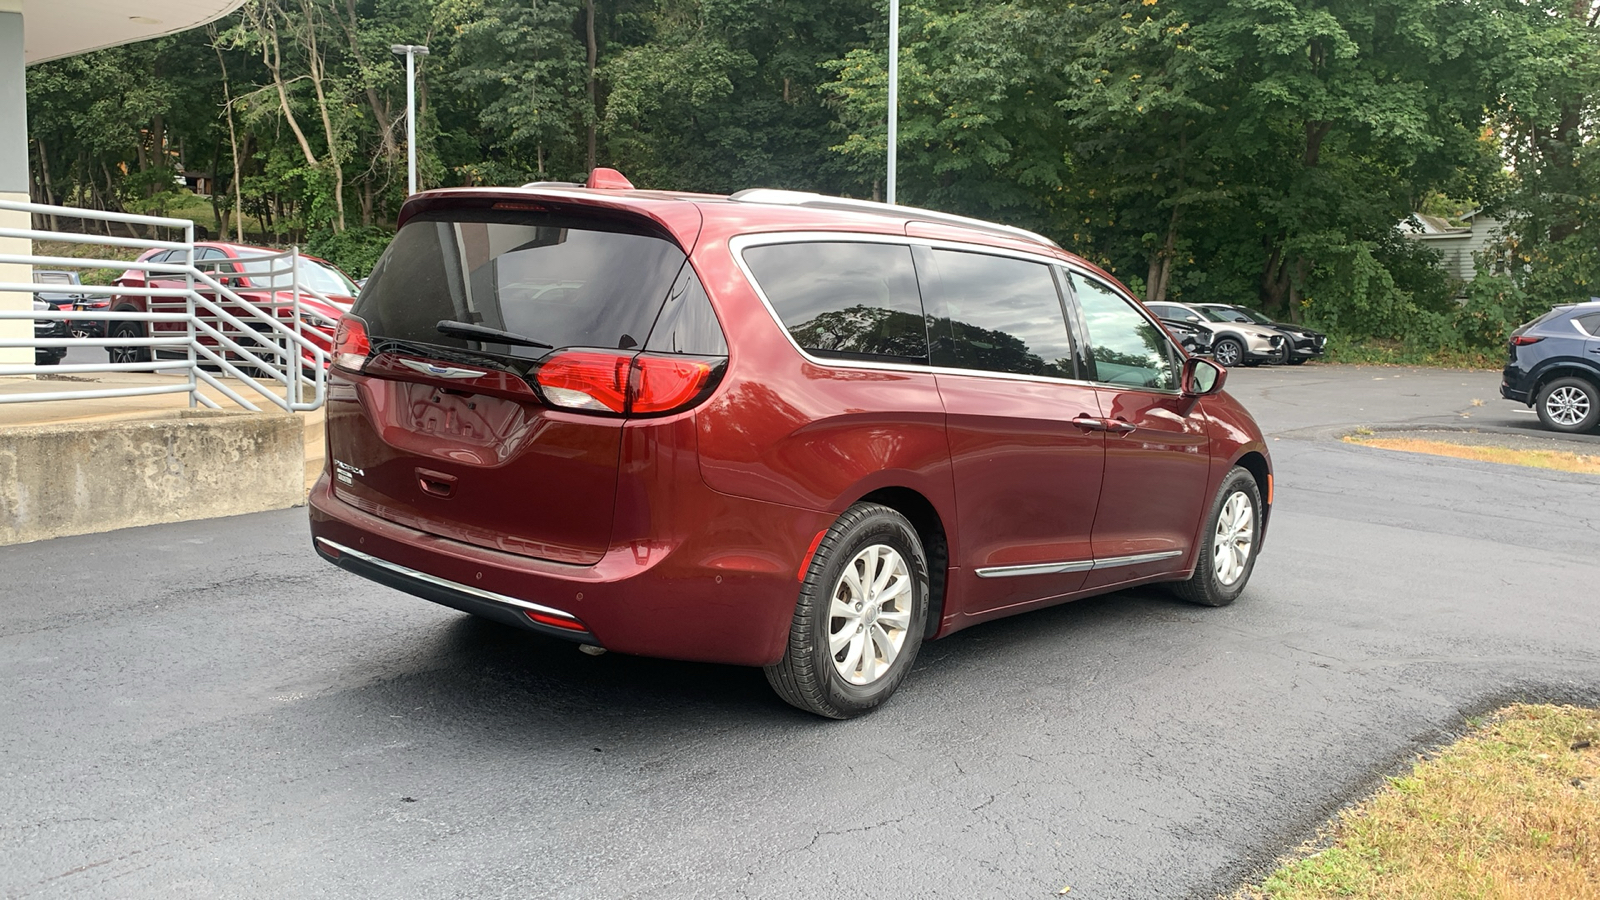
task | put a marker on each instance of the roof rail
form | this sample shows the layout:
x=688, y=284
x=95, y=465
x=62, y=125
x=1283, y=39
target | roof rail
x=823, y=201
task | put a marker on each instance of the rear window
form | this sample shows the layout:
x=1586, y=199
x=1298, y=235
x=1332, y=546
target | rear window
x=566, y=282
x=845, y=300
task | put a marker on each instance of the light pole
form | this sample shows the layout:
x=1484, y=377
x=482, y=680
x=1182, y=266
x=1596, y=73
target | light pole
x=894, y=91
x=410, y=52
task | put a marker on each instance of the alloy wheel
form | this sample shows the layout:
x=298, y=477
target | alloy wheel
x=1227, y=353
x=1235, y=535
x=1567, y=405
x=869, y=614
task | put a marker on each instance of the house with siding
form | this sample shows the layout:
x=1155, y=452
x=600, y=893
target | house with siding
x=1456, y=244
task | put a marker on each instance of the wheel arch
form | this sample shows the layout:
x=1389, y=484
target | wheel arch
x=1255, y=462
x=1561, y=368
x=925, y=518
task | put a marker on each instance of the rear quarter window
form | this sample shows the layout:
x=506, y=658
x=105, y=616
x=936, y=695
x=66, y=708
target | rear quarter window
x=844, y=299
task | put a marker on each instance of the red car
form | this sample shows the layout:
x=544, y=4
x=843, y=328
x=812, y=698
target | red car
x=257, y=275
x=771, y=429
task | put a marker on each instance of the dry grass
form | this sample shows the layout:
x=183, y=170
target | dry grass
x=1511, y=811
x=1562, y=460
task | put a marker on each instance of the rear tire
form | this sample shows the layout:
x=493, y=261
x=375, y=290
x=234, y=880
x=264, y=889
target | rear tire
x=128, y=331
x=1227, y=352
x=1569, y=405
x=1231, y=539
x=1297, y=360
x=859, y=622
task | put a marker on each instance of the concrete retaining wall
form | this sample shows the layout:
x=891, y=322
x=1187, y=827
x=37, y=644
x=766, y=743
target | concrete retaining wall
x=81, y=478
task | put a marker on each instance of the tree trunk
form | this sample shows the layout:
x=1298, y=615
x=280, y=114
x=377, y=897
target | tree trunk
x=233, y=142
x=49, y=189
x=594, y=53
x=379, y=113
x=314, y=57
x=1161, y=262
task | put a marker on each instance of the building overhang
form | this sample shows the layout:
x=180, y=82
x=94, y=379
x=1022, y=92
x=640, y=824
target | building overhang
x=53, y=29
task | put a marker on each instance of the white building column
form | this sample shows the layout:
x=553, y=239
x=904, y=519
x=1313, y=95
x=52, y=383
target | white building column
x=14, y=173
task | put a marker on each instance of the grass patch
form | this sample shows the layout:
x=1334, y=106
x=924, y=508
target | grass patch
x=1395, y=353
x=1511, y=810
x=1560, y=460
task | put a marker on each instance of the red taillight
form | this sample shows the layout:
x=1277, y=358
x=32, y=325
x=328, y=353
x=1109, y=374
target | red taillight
x=1523, y=340
x=621, y=383
x=662, y=383
x=586, y=380
x=350, y=345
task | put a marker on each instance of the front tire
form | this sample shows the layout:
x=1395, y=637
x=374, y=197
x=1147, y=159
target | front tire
x=1232, y=538
x=1569, y=405
x=861, y=615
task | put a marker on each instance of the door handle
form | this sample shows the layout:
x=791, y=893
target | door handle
x=1594, y=349
x=1089, y=423
x=1120, y=426
x=437, y=484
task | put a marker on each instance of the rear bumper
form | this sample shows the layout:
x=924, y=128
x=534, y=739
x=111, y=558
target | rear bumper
x=703, y=599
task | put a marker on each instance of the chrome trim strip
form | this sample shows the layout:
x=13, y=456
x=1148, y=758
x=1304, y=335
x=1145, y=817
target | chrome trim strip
x=445, y=583
x=1053, y=568
x=1114, y=561
x=1082, y=565
x=439, y=371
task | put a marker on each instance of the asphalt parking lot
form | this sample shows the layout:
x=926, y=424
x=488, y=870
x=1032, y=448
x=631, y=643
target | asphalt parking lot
x=207, y=709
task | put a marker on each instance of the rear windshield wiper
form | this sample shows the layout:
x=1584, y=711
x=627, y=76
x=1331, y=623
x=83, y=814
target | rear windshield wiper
x=486, y=335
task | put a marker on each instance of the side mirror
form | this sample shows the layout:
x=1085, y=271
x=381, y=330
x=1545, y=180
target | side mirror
x=1202, y=377
x=1192, y=318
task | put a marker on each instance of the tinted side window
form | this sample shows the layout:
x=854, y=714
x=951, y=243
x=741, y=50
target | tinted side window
x=1126, y=348
x=687, y=323
x=997, y=314
x=1591, y=324
x=845, y=300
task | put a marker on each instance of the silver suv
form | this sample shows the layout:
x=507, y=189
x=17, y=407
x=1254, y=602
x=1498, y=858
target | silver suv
x=1235, y=342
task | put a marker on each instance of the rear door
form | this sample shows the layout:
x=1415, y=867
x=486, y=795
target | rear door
x=1156, y=451
x=1025, y=446
x=443, y=433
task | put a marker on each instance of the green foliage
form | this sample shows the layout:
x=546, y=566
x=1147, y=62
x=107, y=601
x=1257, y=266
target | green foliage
x=355, y=250
x=1254, y=151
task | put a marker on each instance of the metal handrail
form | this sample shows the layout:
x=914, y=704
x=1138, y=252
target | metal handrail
x=220, y=329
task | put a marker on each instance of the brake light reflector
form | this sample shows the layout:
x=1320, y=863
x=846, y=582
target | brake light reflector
x=1523, y=340
x=661, y=383
x=586, y=380
x=350, y=344
x=555, y=621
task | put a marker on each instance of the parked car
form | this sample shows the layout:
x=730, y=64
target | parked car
x=1234, y=343
x=1195, y=337
x=68, y=299
x=48, y=328
x=1553, y=365
x=255, y=276
x=1304, y=343
x=773, y=429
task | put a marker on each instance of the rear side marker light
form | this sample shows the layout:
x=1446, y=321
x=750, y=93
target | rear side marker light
x=1523, y=340
x=350, y=344
x=811, y=552
x=621, y=383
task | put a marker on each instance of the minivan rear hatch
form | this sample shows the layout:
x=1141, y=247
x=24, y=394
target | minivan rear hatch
x=443, y=429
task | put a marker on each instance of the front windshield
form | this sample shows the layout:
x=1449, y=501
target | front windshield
x=1253, y=316
x=1214, y=314
x=270, y=270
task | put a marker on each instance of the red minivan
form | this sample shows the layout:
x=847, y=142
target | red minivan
x=771, y=429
